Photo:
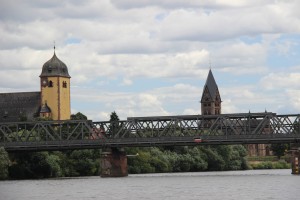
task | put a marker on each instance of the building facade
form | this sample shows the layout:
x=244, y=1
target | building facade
x=53, y=101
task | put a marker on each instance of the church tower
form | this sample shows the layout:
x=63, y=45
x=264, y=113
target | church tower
x=55, y=90
x=211, y=99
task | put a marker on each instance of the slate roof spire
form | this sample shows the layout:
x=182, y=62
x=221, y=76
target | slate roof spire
x=211, y=85
x=211, y=99
x=55, y=67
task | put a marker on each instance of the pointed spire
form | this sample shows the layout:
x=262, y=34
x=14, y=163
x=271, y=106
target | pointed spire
x=54, y=46
x=211, y=84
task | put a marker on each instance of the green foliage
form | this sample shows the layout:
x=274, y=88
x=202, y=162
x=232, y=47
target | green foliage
x=114, y=117
x=279, y=149
x=82, y=163
x=114, y=123
x=78, y=116
x=34, y=165
x=54, y=164
x=4, y=164
x=214, y=160
x=271, y=165
x=187, y=159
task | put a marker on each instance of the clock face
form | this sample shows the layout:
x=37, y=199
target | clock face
x=44, y=82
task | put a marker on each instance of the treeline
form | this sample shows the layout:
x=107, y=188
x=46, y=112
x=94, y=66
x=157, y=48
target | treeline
x=36, y=165
x=187, y=159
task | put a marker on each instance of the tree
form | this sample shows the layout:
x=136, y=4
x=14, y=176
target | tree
x=114, y=123
x=78, y=116
x=4, y=164
x=84, y=162
x=279, y=149
x=35, y=165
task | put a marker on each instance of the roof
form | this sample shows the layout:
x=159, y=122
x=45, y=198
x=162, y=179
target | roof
x=19, y=106
x=55, y=67
x=211, y=85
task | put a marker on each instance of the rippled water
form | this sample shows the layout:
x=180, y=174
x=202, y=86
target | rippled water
x=256, y=184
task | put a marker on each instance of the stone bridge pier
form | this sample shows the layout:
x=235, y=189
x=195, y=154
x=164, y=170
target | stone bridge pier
x=295, y=159
x=113, y=163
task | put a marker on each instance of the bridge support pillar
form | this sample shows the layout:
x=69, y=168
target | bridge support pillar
x=114, y=163
x=295, y=160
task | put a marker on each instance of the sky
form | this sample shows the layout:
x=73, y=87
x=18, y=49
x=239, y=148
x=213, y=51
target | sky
x=152, y=58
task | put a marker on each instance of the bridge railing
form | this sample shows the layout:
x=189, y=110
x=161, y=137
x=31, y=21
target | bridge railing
x=199, y=125
x=46, y=131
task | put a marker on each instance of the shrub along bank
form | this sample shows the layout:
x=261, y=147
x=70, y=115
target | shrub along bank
x=32, y=165
x=187, y=159
x=281, y=164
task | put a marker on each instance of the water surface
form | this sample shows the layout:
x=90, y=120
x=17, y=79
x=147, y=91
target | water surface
x=253, y=184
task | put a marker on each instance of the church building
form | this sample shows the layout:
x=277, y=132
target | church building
x=51, y=102
x=211, y=105
x=211, y=99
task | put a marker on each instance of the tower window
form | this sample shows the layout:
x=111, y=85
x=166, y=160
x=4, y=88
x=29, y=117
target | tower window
x=50, y=69
x=64, y=84
x=50, y=84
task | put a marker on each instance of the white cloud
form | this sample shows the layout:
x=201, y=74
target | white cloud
x=129, y=66
x=294, y=100
x=144, y=58
x=281, y=81
x=196, y=24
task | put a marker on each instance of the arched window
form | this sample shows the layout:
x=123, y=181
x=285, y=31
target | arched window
x=50, y=84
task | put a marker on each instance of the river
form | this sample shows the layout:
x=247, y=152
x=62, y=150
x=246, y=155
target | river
x=252, y=184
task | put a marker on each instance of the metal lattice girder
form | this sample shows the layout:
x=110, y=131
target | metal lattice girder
x=147, y=131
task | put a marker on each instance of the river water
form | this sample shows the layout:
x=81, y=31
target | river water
x=252, y=184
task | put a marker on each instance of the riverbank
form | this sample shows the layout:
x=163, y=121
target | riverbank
x=269, y=162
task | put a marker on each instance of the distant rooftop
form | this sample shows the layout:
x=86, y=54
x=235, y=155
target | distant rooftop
x=19, y=106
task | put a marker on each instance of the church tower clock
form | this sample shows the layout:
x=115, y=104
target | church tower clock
x=55, y=90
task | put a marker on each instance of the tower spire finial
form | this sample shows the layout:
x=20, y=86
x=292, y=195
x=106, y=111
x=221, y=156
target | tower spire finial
x=54, y=46
x=209, y=63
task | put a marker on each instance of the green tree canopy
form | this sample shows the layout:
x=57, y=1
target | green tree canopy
x=4, y=164
x=114, y=123
x=279, y=149
x=78, y=116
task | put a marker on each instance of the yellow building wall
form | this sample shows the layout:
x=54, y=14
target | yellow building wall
x=65, y=101
x=57, y=98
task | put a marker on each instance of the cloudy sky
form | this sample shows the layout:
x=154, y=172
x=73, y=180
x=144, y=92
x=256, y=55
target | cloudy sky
x=150, y=57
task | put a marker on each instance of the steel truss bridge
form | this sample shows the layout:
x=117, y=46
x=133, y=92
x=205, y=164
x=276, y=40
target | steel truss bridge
x=242, y=128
